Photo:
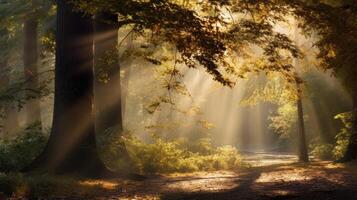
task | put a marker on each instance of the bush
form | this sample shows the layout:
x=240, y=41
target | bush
x=169, y=156
x=336, y=151
x=322, y=151
x=15, y=153
x=342, y=138
x=202, y=145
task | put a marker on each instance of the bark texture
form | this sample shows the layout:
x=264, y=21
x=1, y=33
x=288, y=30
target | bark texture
x=72, y=144
x=108, y=90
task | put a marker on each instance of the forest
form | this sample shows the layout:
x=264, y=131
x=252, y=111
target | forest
x=178, y=99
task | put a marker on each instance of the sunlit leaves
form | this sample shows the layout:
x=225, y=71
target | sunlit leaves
x=343, y=137
x=278, y=91
x=336, y=26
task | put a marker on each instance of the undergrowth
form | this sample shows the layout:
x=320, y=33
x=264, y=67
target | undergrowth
x=337, y=150
x=23, y=186
x=162, y=156
x=18, y=151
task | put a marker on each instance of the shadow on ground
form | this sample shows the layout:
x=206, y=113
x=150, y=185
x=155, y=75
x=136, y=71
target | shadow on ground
x=268, y=178
x=318, y=180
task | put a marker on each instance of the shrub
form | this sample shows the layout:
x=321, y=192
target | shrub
x=160, y=156
x=342, y=138
x=199, y=145
x=15, y=153
x=322, y=151
x=169, y=156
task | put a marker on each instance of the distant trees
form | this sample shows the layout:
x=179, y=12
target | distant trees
x=8, y=38
x=30, y=58
x=22, y=23
x=8, y=108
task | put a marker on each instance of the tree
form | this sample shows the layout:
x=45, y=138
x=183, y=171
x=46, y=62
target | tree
x=303, y=155
x=8, y=107
x=23, y=20
x=336, y=26
x=30, y=57
x=303, y=152
x=346, y=56
x=9, y=110
x=72, y=146
x=108, y=95
x=127, y=67
x=198, y=40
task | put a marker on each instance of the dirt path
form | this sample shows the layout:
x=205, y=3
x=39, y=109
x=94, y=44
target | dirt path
x=270, y=177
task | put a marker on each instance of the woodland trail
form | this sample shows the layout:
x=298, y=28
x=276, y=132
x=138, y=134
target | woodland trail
x=270, y=177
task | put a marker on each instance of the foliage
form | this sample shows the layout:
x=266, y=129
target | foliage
x=276, y=90
x=211, y=34
x=336, y=26
x=322, y=151
x=14, y=89
x=169, y=156
x=16, y=153
x=337, y=150
x=284, y=120
x=342, y=138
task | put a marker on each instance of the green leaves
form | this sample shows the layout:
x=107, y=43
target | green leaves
x=17, y=152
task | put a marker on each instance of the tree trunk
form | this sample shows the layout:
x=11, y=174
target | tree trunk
x=72, y=144
x=30, y=56
x=107, y=86
x=9, y=111
x=303, y=154
x=126, y=79
x=125, y=86
x=10, y=124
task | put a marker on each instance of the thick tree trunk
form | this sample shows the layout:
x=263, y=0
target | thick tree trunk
x=72, y=144
x=107, y=86
x=303, y=154
x=30, y=56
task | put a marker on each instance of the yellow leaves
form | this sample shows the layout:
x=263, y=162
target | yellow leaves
x=345, y=118
x=175, y=156
x=331, y=53
x=275, y=89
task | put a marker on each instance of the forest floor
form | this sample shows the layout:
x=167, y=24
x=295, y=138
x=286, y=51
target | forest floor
x=269, y=177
